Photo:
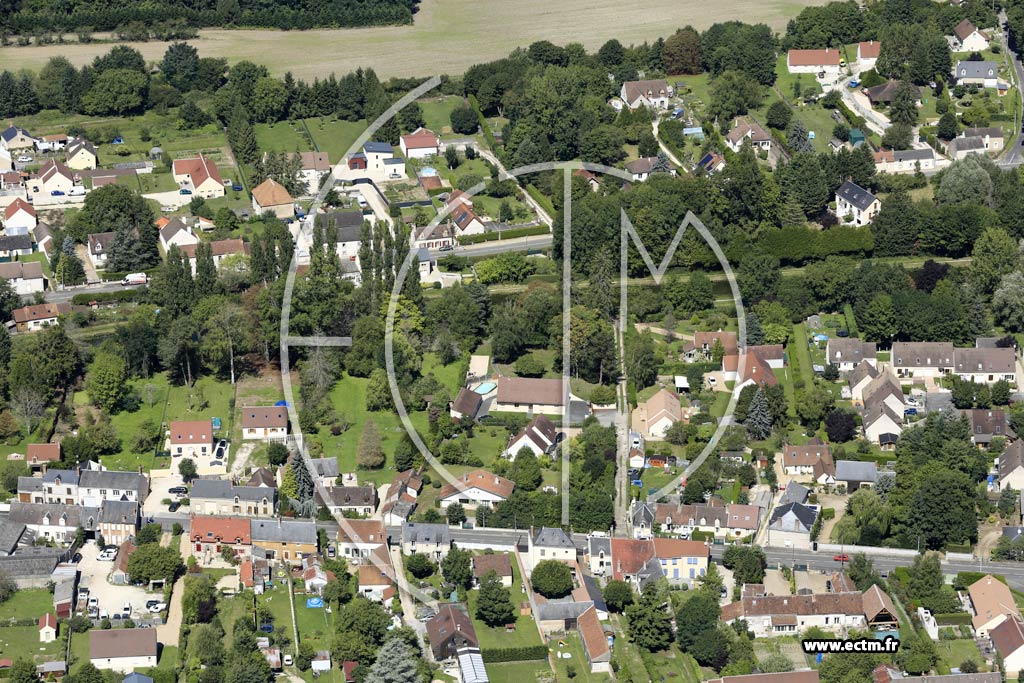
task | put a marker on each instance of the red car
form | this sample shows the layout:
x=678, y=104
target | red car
x=842, y=558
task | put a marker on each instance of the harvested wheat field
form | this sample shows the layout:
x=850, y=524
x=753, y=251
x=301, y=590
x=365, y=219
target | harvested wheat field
x=447, y=37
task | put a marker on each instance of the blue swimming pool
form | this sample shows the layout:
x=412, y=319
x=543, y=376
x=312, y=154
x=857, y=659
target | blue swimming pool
x=485, y=388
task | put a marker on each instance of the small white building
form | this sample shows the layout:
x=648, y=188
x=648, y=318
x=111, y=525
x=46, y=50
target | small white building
x=540, y=436
x=265, y=423
x=967, y=38
x=867, y=54
x=123, y=649
x=174, y=232
x=315, y=165
x=190, y=438
x=813, y=61
x=420, y=144
x=19, y=217
x=548, y=543
x=477, y=488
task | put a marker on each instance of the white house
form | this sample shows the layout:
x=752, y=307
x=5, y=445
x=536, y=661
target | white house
x=985, y=74
x=271, y=197
x=540, y=436
x=19, y=217
x=529, y=395
x=967, y=38
x=190, y=438
x=748, y=130
x=26, y=277
x=199, y=175
x=98, y=248
x=48, y=628
x=922, y=359
x=991, y=604
x=986, y=366
x=653, y=94
x=420, y=144
x=375, y=584
x=1011, y=466
x=52, y=177
x=991, y=136
x=266, y=423
x=476, y=488
x=548, y=543
x=1008, y=639
x=314, y=166
x=221, y=249
x=123, y=649
x=15, y=139
x=82, y=155
x=905, y=161
x=813, y=460
x=466, y=221
x=846, y=353
x=36, y=317
x=813, y=61
x=867, y=54
x=882, y=425
x=432, y=540
x=174, y=232
x=654, y=416
x=855, y=205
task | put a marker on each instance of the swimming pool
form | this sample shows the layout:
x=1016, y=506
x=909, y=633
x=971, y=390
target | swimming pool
x=485, y=388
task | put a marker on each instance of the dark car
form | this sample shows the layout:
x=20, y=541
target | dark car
x=56, y=193
x=267, y=628
x=76, y=558
x=236, y=188
x=178, y=489
x=634, y=473
x=173, y=507
x=150, y=603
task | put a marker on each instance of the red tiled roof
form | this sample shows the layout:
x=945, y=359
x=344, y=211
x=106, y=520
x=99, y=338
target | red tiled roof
x=16, y=205
x=421, y=138
x=826, y=57
x=48, y=620
x=43, y=452
x=264, y=416
x=227, y=529
x=200, y=169
x=191, y=432
x=869, y=49
x=481, y=479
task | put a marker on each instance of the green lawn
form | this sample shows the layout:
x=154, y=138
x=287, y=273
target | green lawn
x=314, y=627
x=952, y=653
x=802, y=355
x=156, y=182
x=334, y=136
x=24, y=641
x=276, y=599
x=519, y=672
x=786, y=82
x=437, y=113
x=41, y=258
x=168, y=658
x=79, y=651
x=216, y=393
x=29, y=603
x=231, y=609
x=673, y=665
x=627, y=654
x=284, y=136
x=525, y=634
x=578, y=660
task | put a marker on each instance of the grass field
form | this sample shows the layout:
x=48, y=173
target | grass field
x=952, y=653
x=518, y=672
x=334, y=137
x=216, y=393
x=526, y=630
x=285, y=136
x=437, y=112
x=447, y=36
x=30, y=603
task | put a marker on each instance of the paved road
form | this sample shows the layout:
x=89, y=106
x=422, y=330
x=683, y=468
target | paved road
x=1014, y=156
x=65, y=295
x=531, y=243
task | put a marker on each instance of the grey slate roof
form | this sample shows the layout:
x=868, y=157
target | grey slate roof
x=1013, y=532
x=426, y=533
x=378, y=147
x=794, y=493
x=326, y=467
x=642, y=514
x=28, y=566
x=913, y=154
x=855, y=471
x=594, y=592
x=552, y=537
x=30, y=484
x=15, y=242
x=976, y=70
x=802, y=518
x=129, y=481
x=119, y=512
x=67, y=477
x=595, y=544
x=856, y=195
x=35, y=513
x=11, y=132
x=348, y=224
x=221, y=489
x=64, y=591
x=560, y=611
x=10, y=533
x=283, y=530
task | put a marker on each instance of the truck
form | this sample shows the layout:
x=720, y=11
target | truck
x=135, y=279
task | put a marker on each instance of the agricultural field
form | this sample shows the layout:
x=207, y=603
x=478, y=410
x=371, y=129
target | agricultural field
x=447, y=37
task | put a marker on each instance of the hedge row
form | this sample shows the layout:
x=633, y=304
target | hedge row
x=514, y=654
x=953, y=619
x=855, y=120
x=541, y=199
x=486, y=129
x=504, y=234
x=798, y=244
x=85, y=298
x=851, y=321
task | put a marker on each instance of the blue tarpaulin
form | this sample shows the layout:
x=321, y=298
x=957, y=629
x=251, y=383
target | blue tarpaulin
x=281, y=404
x=314, y=603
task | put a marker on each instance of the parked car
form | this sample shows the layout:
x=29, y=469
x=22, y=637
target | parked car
x=23, y=159
x=287, y=660
x=180, y=490
x=94, y=602
x=237, y=188
x=167, y=209
x=173, y=507
x=150, y=603
x=267, y=628
x=156, y=607
x=56, y=193
x=107, y=556
x=184, y=190
x=117, y=141
x=76, y=558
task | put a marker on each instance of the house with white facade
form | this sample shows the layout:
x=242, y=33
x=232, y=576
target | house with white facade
x=26, y=278
x=922, y=359
x=19, y=217
x=855, y=205
x=846, y=353
x=420, y=144
x=123, y=649
x=313, y=167
x=653, y=417
x=199, y=175
x=190, y=438
x=967, y=38
x=813, y=61
x=477, y=488
x=984, y=73
x=653, y=94
x=867, y=54
x=174, y=232
x=540, y=436
x=986, y=365
x=548, y=543
x=432, y=540
x=812, y=460
x=265, y=423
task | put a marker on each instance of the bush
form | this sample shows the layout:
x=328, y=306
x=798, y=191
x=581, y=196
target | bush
x=953, y=618
x=514, y=654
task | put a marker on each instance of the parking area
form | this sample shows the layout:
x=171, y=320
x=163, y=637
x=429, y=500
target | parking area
x=111, y=598
x=159, y=492
x=213, y=464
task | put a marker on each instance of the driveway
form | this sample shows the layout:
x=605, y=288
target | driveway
x=112, y=598
x=170, y=198
x=168, y=632
x=158, y=492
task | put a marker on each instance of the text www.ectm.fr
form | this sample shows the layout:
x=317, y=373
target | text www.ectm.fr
x=888, y=645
